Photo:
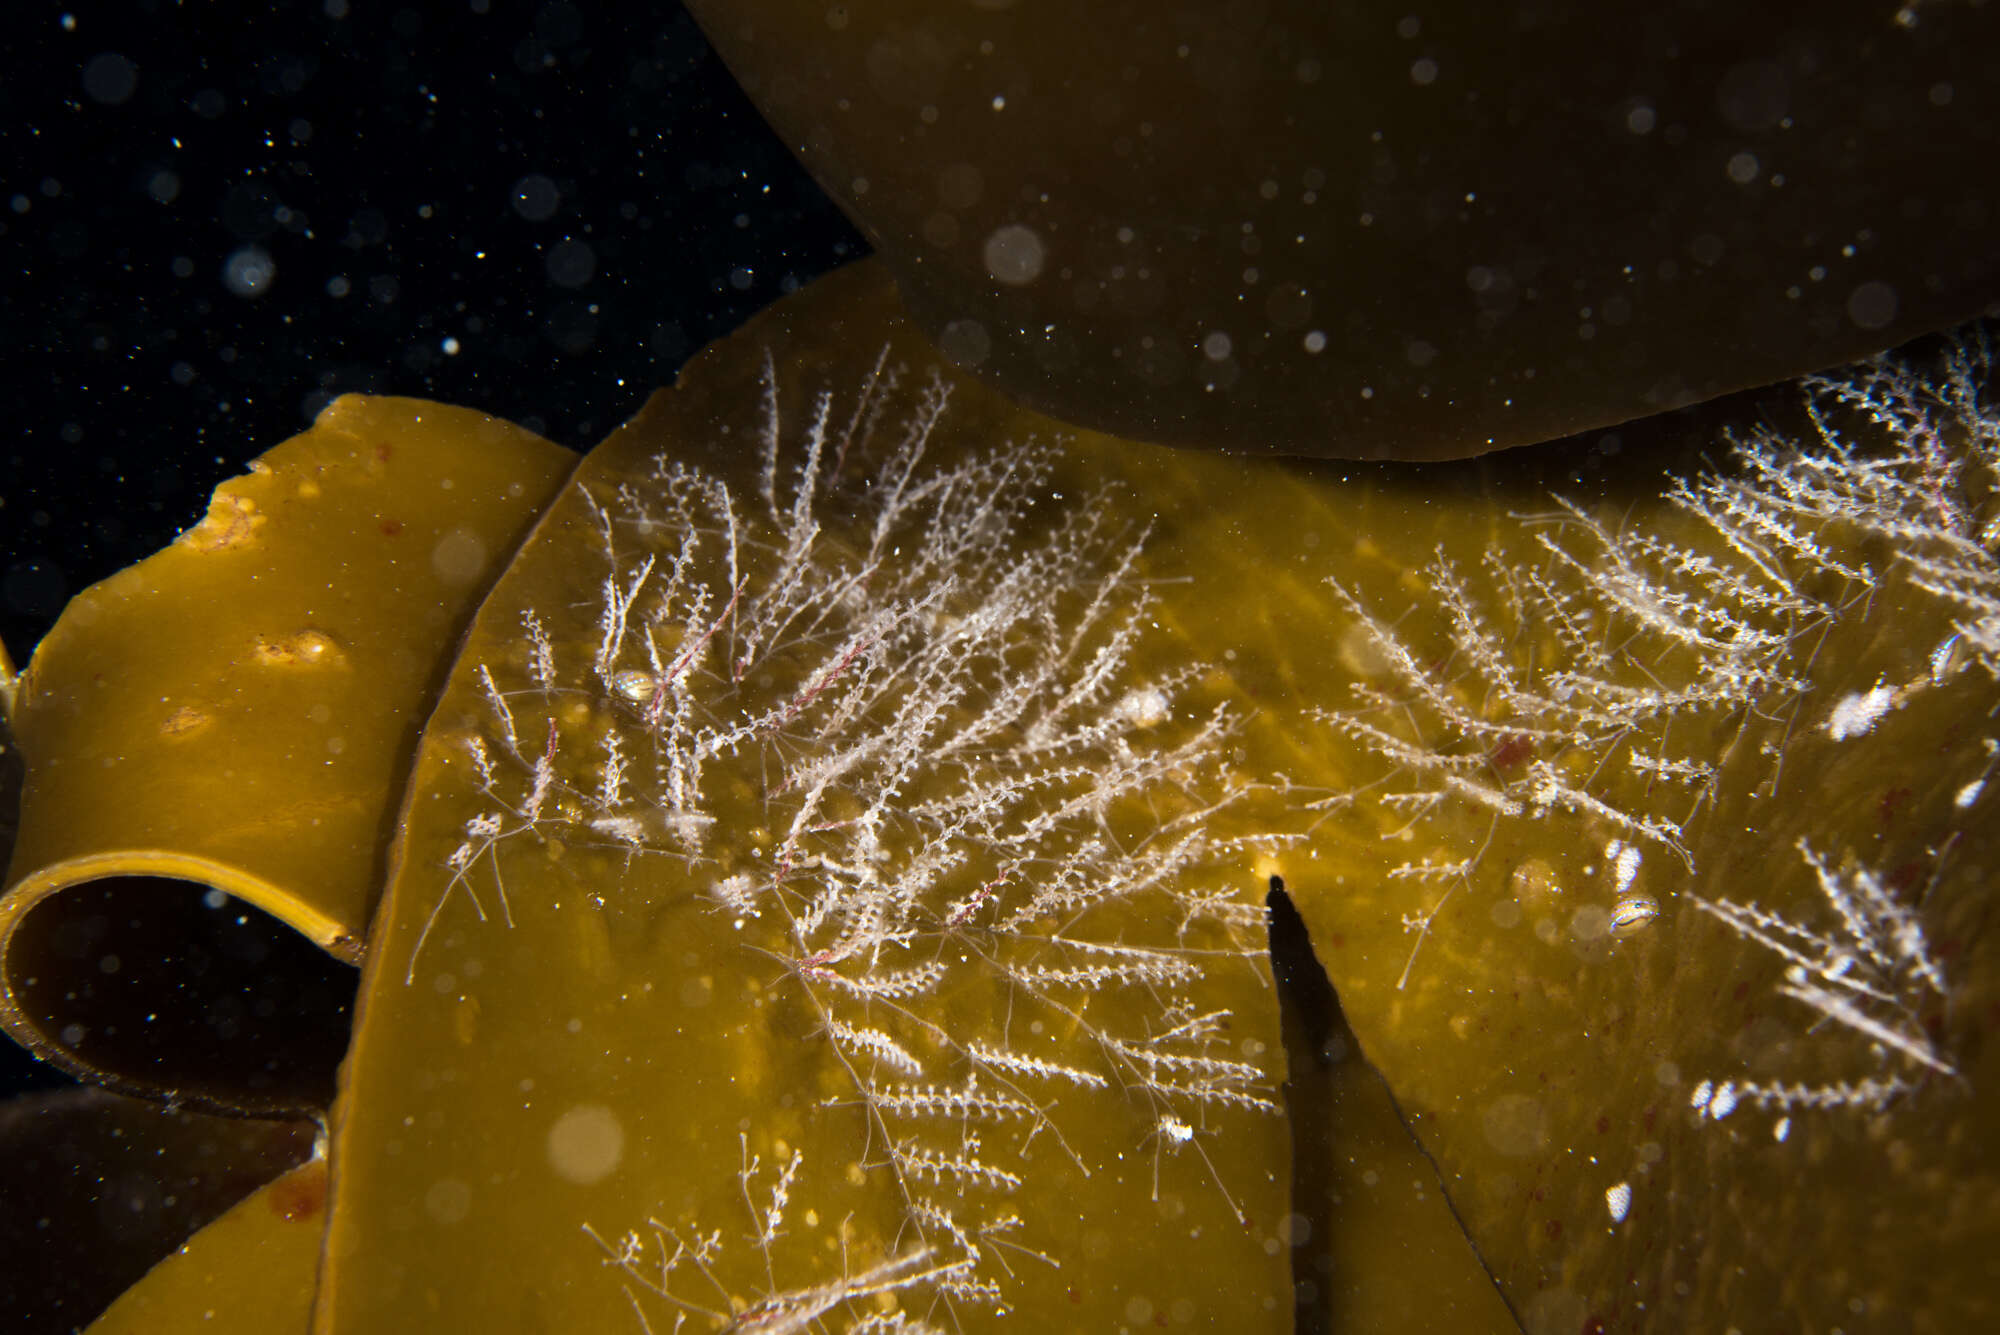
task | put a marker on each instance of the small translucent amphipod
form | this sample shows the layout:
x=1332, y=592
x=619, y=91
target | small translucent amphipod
x=1630, y=914
x=634, y=685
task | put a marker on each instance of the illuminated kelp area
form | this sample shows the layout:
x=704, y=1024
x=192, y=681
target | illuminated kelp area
x=828, y=830
x=854, y=819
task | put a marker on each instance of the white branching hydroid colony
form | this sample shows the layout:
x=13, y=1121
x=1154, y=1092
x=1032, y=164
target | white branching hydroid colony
x=1623, y=685
x=1870, y=975
x=887, y=718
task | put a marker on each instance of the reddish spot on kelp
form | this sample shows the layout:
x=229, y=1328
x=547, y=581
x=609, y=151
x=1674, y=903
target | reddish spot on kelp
x=1511, y=751
x=300, y=1195
x=391, y=527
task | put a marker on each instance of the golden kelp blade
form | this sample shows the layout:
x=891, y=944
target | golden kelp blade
x=1698, y=601
x=609, y=963
x=237, y=712
x=1371, y=231
x=824, y=899
x=1656, y=856
x=250, y=1272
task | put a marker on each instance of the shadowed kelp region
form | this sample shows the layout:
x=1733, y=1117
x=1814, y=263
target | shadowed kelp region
x=1679, y=806
x=1607, y=649
x=1874, y=975
x=1362, y=230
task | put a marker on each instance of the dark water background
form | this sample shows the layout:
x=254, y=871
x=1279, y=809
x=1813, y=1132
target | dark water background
x=214, y=218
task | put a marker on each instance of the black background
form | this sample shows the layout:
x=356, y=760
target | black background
x=578, y=195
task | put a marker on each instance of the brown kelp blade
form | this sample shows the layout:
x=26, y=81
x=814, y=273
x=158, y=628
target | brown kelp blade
x=1365, y=231
x=824, y=899
x=1562, y=743
x=1655, y=848
x=223, y=729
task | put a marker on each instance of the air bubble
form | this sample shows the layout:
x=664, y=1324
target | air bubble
x=1014, y=255
x=536, y=197
x=586, y=1144
x=249, y=271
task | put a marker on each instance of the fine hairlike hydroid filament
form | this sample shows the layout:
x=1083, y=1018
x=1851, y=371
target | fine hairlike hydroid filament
x=880, y=716
x=872, y=948
x=1675, y=784
x=1613, y=673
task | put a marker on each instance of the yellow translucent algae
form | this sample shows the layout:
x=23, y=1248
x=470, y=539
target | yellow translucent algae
x=237, y=713
x=1594, y=745
x=250, y=1272
x=1546, y=1046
